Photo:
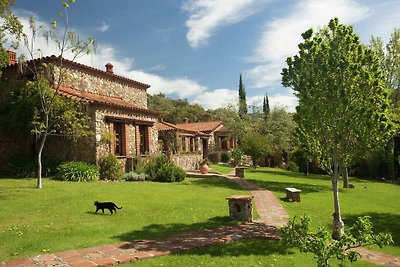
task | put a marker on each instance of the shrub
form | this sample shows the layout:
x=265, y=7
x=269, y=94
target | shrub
x=214, y=157
x=159, y=169
x=292, y=166
x=225, y=158
x=25, y=166
x=110, y=168
x=77, y=171
x=237, y=154
x=133, y=176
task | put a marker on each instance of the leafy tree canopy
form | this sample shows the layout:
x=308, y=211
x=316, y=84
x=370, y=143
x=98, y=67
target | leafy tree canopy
x=343, y=103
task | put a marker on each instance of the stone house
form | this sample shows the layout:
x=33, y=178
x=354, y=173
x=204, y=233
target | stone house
x=188, y=143
x=120, y=119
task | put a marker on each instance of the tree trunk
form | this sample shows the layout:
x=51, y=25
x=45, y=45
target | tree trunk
x=42, y=141
x=345, y=176
x=338, y=225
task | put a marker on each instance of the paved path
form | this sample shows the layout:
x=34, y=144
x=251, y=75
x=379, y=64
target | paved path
x=272, y=216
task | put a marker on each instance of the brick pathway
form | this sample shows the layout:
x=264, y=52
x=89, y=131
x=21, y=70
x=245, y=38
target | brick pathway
x=272, y=216
x=143, y=249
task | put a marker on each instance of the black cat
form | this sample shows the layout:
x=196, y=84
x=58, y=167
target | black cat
x=106, y=205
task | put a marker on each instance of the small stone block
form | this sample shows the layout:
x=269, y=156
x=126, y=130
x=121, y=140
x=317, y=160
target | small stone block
x=17, y=262
x=82, y=263
x=124, y=258
x=105, y=261
x=142, y=255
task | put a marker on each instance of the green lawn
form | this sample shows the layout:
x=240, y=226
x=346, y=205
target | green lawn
x=247, y=253
x=376, y=199
x=220, y=168
x=60, y=216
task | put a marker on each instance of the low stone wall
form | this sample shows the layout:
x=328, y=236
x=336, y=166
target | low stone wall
x=188, y=162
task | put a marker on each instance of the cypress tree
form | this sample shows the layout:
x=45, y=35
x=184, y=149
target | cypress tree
x=266, y=108
x=242, y=98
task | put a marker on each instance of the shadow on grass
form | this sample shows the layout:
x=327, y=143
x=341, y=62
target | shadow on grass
x=280, y=172
x=383, y=222
x=165, y=230
x=280, y=186
x=260, y=247
x=213, y=182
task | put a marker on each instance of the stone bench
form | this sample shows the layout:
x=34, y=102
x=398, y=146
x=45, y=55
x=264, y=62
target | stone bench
x=293, y=194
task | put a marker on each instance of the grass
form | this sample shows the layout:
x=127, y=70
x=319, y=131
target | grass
x=221, y=168
x=247, y=253
x=376, y=199
x=61, y=215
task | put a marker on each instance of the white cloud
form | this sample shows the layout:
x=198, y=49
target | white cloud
x=281, y=36
x=104, y=27
x=217, y=98
x=181, y=86
x=206, y=16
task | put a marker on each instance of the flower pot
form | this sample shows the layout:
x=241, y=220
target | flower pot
x=204, y=169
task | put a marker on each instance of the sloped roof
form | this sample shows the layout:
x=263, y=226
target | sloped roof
x=204, y=126
x=97, y=72
x=102, y=99
x=165, y=126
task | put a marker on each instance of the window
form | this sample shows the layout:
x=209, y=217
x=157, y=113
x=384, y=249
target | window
x=192, y=144
x=183, y=147
x=143, y=139
x=119, y=144
x=224, y=143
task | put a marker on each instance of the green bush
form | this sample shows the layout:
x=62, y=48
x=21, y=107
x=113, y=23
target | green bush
x=77, y=171
x=159, y=169
x=26, y=166
x=237, y=154
x=214, y=157
x=133, y=176
x=110, y=168
x=225, y=158
x=292, y=166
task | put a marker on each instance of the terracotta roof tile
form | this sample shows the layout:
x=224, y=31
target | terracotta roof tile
x=165, y=126
x=205, y=126
x=56, y=60
x=102, y=99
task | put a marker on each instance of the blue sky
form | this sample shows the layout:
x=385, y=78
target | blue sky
x=196, y=49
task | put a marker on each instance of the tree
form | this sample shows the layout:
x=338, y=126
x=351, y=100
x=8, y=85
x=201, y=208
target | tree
x=266, y=109
x=242, y=99
x=10, y=26
x=343, y=103
x=390, y=63
x=255, y=145
x=54, y=115
x=299, y=234
x=279, y=128
x=175, y=111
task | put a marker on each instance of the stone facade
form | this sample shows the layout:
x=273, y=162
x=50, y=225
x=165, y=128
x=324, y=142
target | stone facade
x=116, y=105
x=188, y=162
x=108, y=86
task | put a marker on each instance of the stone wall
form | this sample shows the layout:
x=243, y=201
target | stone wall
x=102, y=128
x=188, y=162
x=102, y=86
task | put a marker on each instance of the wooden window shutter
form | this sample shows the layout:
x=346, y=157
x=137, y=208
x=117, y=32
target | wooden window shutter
x=123, y=140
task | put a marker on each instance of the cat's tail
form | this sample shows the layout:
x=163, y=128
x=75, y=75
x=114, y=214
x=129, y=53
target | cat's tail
x=117, y=207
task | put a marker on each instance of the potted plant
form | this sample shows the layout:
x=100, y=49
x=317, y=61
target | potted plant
x=204, y=169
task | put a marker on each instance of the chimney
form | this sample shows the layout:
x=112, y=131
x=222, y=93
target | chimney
x=109, y=68
x=12, y=57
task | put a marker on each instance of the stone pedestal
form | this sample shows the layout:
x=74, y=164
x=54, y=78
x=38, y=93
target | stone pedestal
x=240, y=208
x=239, y=172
